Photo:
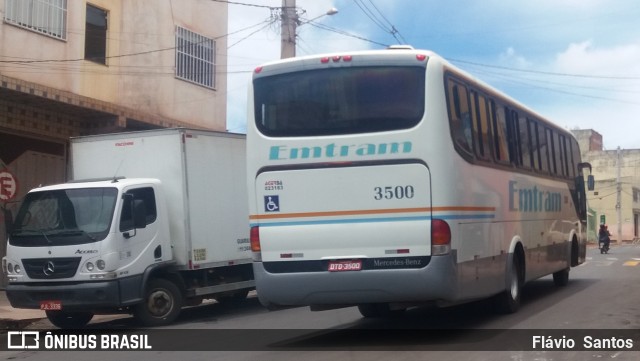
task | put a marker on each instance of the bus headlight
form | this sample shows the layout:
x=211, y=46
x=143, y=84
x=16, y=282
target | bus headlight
x=17, y=269
x=101, y=264
x=9, y=268
x=90, y=267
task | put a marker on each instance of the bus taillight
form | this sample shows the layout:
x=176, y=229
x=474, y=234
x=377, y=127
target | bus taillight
x=440, y=237
x=254, y=237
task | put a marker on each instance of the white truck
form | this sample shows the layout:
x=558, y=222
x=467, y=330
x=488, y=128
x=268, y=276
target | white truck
x=153, y=221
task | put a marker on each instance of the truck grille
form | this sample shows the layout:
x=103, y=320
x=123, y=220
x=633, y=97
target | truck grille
x=51, y=268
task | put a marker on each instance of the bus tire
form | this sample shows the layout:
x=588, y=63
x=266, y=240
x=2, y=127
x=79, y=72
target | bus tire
x=69, y=320
x=378, y=310
x=561, y=278
x=161, y=305
x=508, y=301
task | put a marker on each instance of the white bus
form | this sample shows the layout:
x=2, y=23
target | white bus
x=390, y=178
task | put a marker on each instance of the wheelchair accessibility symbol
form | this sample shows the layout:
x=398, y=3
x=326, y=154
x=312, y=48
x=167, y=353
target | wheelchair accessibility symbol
x=271, y=203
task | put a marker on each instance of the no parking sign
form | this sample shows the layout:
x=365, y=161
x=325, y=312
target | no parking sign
x=8, y=185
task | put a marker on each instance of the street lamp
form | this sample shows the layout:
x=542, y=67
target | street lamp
x=290, y=21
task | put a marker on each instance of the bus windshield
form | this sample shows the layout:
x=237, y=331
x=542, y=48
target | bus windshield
x=64, y=217
x=340, y=101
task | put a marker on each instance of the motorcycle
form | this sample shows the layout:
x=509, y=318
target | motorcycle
x=604, y=247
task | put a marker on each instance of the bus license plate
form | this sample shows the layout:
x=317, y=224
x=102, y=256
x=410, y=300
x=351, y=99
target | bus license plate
x=51, y=305
x=342, y=266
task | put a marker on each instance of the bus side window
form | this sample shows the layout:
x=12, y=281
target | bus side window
x=480, y=125
x=513, y=137
x=460, y=117
x=544, y=149
x=526, y=154
x=500, y=142
x=575, y=156
x=553, y=164
x=535, y=145
x=565, y=155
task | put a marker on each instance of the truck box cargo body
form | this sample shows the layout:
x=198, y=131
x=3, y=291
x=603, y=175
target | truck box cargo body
x=152, y=221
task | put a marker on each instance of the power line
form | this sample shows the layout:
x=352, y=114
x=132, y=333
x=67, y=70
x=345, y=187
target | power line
x=244, y=4
x=342, y=32
x=547, y=72
x=376, y=19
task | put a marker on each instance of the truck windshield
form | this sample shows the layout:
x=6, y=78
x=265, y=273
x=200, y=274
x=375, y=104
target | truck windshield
x=339, y=101
x=64, y=217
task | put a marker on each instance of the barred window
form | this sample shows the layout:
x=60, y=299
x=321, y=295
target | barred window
x=47, y=17
x=195, y=58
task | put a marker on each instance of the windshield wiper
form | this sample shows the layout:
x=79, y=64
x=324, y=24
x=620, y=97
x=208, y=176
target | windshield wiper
x=42, y=232
x=73, y=232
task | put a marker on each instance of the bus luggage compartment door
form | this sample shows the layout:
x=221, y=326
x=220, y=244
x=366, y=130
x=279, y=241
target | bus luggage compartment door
x=345, y=212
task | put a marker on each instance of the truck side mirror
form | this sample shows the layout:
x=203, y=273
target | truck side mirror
x=591, y=182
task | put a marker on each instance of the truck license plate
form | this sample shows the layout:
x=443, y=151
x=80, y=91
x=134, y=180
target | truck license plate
x=342, y=266
x=51, y=305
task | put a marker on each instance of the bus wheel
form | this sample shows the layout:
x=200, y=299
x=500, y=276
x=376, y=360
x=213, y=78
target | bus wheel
x=161, y=304
x=561, y=278
x=509, y=300
x=69, y=320
x=378, y=310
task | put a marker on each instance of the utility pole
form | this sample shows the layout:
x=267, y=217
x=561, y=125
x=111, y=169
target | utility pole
x=619, y=199
x=288, y=32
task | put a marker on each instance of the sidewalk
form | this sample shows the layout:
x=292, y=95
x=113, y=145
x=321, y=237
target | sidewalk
x=16, y=318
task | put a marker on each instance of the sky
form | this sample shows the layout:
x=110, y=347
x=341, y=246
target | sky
x=576, y=62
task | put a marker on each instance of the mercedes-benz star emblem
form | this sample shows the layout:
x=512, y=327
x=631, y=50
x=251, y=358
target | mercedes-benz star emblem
x=49, y=268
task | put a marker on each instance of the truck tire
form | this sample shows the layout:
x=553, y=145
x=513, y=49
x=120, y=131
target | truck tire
x=161, y=305
x=69, y=320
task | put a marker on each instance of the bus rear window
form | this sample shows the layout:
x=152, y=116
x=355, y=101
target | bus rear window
x=339, y=101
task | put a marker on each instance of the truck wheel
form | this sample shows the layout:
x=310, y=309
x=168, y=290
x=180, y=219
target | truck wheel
x=509, y=300
x=69, y=320
x=232, y=298
x=561, y=278
x=161, y=305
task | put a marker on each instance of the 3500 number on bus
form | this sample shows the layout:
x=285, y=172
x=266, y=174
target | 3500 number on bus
x=393, y=192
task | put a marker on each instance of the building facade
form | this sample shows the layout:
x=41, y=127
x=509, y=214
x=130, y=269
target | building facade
x=616, y=198
x=71, y=68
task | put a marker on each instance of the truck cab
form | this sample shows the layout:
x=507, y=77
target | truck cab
x=93, y=241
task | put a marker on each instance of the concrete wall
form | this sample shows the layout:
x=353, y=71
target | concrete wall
x=146, y=81
x=604, y=199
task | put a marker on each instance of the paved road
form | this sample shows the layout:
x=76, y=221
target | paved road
x=603, y=294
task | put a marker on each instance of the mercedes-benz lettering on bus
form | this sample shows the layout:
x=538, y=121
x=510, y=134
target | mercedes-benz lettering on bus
x=389, y=178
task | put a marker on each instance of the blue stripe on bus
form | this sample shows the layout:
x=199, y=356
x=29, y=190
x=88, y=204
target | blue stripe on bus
x=370, y=220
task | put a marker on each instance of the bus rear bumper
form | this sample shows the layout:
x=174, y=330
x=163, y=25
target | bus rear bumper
x=435, y=282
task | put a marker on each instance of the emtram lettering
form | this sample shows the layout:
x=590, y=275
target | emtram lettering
x=533, y=199
x=283, y=152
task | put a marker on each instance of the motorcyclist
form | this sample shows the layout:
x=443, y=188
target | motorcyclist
x=604, y=238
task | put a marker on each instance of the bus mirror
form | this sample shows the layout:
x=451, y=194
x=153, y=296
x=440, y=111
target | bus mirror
x=591, y=182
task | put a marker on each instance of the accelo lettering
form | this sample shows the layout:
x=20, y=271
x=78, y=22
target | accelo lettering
x=86, y=251
x=331, y=151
